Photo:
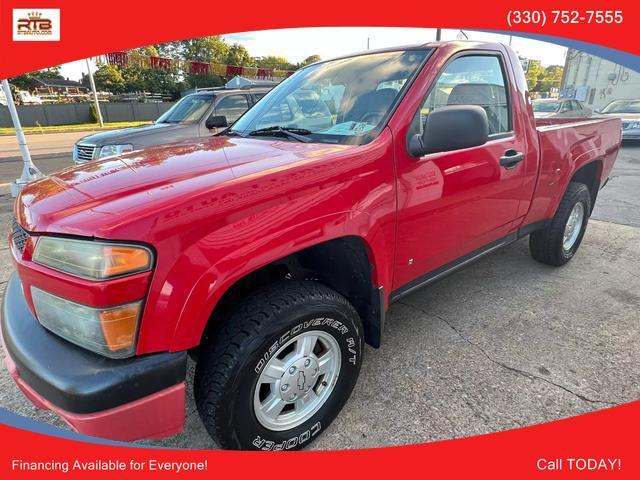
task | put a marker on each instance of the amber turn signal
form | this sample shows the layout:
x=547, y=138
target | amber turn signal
x=119, y=326
x=120, y=260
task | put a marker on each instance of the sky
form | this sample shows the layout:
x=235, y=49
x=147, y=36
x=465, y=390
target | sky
x=298, y=43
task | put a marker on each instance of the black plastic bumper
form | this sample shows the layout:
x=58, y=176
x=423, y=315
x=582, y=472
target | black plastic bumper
x=75, y=379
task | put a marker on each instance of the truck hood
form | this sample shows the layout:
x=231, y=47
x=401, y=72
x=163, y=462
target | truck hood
x=131, y=134
x=96, y=198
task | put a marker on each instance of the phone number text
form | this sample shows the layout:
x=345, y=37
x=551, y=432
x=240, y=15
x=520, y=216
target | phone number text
x=541, y=17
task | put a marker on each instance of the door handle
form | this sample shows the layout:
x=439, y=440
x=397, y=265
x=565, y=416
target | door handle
x=511, y=158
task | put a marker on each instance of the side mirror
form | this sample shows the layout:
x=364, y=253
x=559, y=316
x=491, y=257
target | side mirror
x=216, y=121
x=451, y=128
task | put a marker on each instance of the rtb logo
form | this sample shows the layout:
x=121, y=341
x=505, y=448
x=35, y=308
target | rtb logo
x=36, y=24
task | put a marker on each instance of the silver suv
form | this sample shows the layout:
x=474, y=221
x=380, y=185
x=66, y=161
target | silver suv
x=199, y=114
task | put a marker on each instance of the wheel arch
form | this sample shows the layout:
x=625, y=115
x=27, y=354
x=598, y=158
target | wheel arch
x=589, y=174
x=346, y=264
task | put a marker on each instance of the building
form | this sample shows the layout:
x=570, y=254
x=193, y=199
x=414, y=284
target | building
x=596, y=81
x=57, y=86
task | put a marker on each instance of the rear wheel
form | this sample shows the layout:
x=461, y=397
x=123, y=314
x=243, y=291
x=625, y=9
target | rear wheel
x=558, y=242
x=280, y=368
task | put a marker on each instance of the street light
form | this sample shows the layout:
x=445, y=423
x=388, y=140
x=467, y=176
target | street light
x=95, y=95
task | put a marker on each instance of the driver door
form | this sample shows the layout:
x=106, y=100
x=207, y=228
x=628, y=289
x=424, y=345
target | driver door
x=452, y=203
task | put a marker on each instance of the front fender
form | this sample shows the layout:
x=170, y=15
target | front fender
x=216, y=280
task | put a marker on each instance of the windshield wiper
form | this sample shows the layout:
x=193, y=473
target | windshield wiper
x=228, y=133
x=295, y=133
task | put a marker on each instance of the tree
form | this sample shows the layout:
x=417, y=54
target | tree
x=534, y=73
x=551, y=78
x=541, y=79
x=140, y=78
x=239, y=56
x=309, y=60
x=272, y=61
x=204, y=49
x=203, y=81
x=109, y=78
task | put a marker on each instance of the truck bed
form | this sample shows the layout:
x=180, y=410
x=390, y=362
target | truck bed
x=566, y=144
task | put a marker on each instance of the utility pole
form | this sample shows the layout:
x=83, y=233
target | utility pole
x=29, y=171
x=438, y=34
x=95, y=94
x=368, y=43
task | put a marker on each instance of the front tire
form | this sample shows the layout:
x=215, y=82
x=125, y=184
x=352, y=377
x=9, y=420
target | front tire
x=280, y=368
x=558, y=242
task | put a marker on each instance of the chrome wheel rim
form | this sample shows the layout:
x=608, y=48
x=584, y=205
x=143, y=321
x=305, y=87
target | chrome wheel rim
x=297, y=381
x=573, y=227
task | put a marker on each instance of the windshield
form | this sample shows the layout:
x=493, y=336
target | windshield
x=190, y=109
x=546, y=107
x=623, y=106
x=339, y=101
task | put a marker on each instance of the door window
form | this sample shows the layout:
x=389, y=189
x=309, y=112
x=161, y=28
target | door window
x=232, y=107
x=472, y=80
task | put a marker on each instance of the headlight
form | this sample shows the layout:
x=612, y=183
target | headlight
x=91, y=260
x=108, y=331
x=109, y=150
x=633, y=125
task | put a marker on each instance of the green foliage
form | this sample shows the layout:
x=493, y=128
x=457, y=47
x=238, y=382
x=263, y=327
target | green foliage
x=238, y=55
x=204, y=49
x=211, y=49
x=552, y=77
x=272, y=61
x=203, y=81
x=109, y=78
x=541, y=79
x=309, y=60
x=533, y=74
x=93, y=114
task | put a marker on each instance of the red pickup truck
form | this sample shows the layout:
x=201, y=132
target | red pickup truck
x=270, y=253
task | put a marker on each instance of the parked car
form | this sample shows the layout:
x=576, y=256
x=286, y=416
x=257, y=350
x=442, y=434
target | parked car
x=193, y=116
x=554, y=107
x=629, y=112
x=271, y=252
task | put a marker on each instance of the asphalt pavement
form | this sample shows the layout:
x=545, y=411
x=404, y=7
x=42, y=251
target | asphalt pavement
x=504, y=343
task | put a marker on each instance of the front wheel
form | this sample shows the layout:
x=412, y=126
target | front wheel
x=558, y=242
x=280, y=368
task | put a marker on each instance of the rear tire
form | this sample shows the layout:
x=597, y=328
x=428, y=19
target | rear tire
x=558, y=242
x=295, y=345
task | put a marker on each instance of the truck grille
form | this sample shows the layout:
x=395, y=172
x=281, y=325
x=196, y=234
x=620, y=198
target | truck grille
x=85, y=152
x=19, y=236
x=626, y=125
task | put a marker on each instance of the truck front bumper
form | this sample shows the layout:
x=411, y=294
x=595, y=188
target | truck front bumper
x=129, y=399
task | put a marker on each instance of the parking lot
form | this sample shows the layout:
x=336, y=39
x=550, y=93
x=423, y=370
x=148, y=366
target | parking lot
x=505, y=343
